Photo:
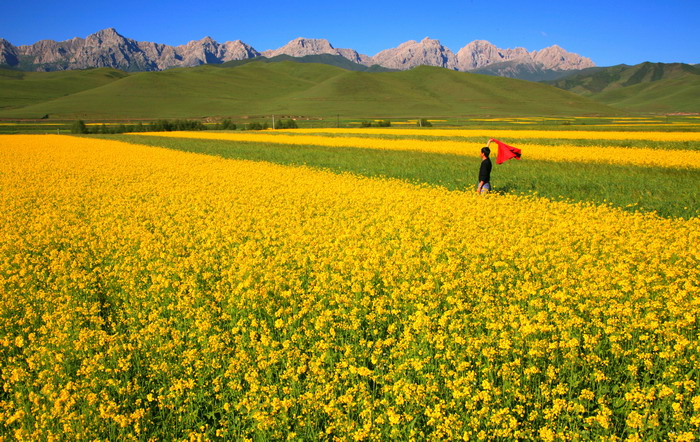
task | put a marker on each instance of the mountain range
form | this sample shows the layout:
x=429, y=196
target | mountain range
x=108, y=48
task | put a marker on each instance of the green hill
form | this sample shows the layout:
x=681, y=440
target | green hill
x=291, y=88
x=646, y=87
x=20, y=89
x=596, y=80
x=663, y=96
x=333, y=60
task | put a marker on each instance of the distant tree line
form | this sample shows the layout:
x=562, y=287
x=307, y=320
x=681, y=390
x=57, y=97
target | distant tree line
x=378, y=123
x=386, y=123
x=286, y=124
x=79, y=126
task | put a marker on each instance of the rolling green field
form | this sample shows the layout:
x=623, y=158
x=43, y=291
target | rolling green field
x=671, y=95
x=286, y=88
x=20, y=89
x=646, y=87
x=669, y=192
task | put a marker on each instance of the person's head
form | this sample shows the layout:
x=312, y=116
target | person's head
x=485, y=151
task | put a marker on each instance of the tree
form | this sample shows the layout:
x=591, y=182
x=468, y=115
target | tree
x=287, y=124
x=228, y=125
x=79, y=127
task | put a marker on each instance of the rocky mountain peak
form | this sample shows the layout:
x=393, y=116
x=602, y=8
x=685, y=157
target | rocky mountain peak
x=108, y=35
x=108, y=32
x=8, y=53
x=300, y=47
x=412, y=53
x=556, y=58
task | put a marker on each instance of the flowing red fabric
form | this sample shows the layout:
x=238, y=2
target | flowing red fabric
x=506, y=152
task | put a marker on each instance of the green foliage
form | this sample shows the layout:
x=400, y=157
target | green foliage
x=424, y=123
x=79, y=127
x=227, y=125
x=256, y=126
x=287, y=124
x=377, y=123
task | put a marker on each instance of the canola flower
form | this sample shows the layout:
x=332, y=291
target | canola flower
x=154, y=294
x=587, y=154
x=518, y=133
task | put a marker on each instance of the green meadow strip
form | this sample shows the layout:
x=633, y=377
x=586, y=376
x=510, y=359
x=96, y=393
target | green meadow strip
x=669, y=192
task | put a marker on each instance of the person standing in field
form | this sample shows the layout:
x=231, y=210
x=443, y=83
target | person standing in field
x=484, y=172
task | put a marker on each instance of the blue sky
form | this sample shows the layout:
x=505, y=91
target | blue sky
x=609, y=32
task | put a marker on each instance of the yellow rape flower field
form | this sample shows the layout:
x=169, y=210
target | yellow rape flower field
x=153, y=294
x=588, y=154
x=515, y=134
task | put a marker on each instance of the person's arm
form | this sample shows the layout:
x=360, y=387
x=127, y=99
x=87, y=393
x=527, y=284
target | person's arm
x=478, y=189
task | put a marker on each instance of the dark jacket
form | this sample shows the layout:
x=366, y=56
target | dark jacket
x=485, y=171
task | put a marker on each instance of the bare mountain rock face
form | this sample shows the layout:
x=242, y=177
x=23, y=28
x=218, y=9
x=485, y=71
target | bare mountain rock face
x=237, y=50
x=49, y=52
x=8, y=53
x=557, y=58
x=207, y=50
x=301, y=47
x=480, y=53
x=484, y=57
x=412, y=53
x=107, y=48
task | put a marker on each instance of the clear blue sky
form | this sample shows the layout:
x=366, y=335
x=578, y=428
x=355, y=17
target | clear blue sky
x=609, y=32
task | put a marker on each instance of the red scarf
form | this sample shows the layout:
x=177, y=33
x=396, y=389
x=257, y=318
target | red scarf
x=506, y=152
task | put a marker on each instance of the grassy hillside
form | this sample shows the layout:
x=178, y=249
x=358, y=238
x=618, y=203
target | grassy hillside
x=333, y=60
x=646, y=87
x=524, y=71
x=597, y=80
x=288, y=88
x=20, y=89
x=670, y=95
